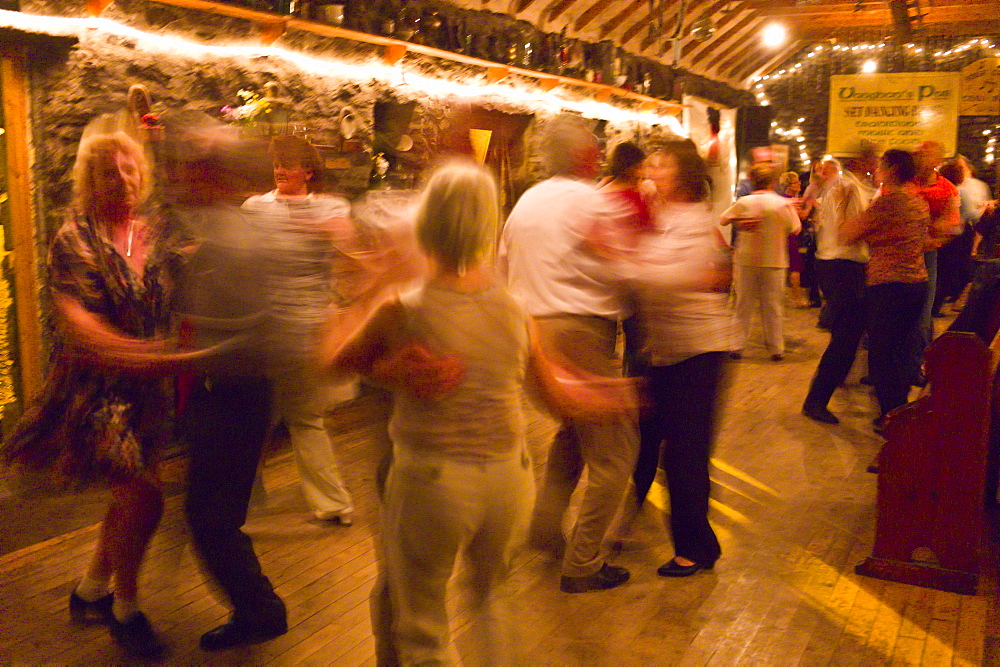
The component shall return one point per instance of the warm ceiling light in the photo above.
(869, 66)
(774, 35)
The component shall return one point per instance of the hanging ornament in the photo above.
(702, 29)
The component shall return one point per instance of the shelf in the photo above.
(273, 25)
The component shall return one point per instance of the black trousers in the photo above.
(843, 285)
(225, 424)
(893, 315)
(682, 419)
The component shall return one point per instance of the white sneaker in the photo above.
(341, 517)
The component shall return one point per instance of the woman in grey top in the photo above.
(315, 247)
(460, 478)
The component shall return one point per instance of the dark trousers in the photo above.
(843, 284)
(894, 311)
(682, 418)
(225, 424)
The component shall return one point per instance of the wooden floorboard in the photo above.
(792, 504)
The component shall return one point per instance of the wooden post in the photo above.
(15, 112)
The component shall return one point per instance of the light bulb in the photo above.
(774, 35)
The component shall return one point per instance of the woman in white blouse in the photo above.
(675, 278)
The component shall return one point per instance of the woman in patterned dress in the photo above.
(102, 412)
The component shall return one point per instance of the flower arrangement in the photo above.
(250, 109)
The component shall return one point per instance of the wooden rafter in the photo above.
(747, 73)
(558, 8)
(719, 48)
(747, 49)
(956, 29)
(592, 12)
(522, 5)
(732, 22)
(615, 21)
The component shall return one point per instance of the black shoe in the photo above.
(673, 569)
(98, 611)
(607, 577)
(820, 414)
(239, 633)
(136, 636)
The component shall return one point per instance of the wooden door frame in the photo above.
(14, 82)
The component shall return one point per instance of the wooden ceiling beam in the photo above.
(748, 49)
(558, 8)
(954, 29)
(746, 72)
(695, 51)
(723, 22)
(985, 12)
(522, 5)
(643, 24)
(720, 19)
(880, 11)
(719, 48)
(616, 21)
(590, 14)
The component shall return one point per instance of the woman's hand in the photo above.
(415, 369)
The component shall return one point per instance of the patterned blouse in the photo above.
(89, 424)
(896, 226)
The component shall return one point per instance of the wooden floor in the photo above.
(792, 503)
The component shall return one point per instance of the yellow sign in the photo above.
(893, 110)
(981, 88)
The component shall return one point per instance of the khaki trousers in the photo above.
(436, 507)
(608, 450)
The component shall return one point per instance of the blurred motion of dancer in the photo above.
(461, 479)
(101, 413)
(313, 241)
(224, 300)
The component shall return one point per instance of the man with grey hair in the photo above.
(840, 269)
(572, 296)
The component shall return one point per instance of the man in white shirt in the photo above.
(760, 262)
(573, 297)
(840, 269)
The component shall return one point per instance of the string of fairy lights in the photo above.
(865, 58)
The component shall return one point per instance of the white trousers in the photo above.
(763, 287)
(436, 507)
(301, 400)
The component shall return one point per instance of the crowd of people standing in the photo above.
(257, 306)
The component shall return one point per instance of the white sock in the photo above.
(124, 609)
(91, 589)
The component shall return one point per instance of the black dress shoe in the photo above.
(98, 611)
(136, 636)
(240, 633)
(607, 577)
(820, 414)
(673, 569)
